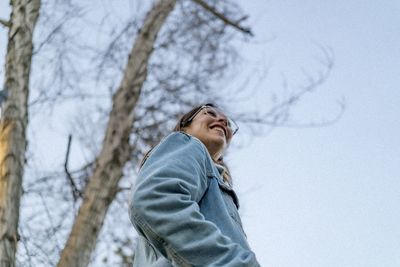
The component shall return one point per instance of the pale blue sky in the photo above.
(323, 197)
(328, 197)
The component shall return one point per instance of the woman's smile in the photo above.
(220, 128)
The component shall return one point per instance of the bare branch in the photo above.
(102, 187)
(124, 189)
(191, 55)
(235, 24)
(5, 23)
(278, 115)
(76, 193)
(277, 120)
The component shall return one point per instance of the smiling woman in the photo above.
(212, 128)
(183, 206)
(202, 122)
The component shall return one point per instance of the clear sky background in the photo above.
(323, 197)
(328, 197)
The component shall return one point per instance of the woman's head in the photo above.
(206, 122)
(211, 126)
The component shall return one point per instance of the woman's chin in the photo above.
(219, 142)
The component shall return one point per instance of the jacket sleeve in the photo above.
(164, 207)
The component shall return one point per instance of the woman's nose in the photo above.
(223, 119)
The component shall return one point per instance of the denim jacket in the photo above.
(184, 213)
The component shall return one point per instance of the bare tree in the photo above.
(102, 186)
(14, 121)
(132, 95)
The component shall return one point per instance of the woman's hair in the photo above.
(180, 126)
(183, 121)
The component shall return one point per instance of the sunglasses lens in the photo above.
(233, 126)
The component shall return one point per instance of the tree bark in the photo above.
(103, 184)
(14, 121)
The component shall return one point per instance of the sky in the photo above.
(326, 196)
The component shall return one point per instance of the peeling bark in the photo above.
(103, 184)
(13, 123)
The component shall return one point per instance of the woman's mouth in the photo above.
(219, 129)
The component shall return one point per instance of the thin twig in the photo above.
(76, 193)
(120, 189)
(226, 20)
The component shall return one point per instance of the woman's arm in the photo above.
(164, 207)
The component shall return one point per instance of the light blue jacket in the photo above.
(184, 213)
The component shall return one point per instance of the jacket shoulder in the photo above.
(180, 146)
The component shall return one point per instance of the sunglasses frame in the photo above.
(230, 121)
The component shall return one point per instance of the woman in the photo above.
(183, 206)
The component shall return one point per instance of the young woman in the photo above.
(183, 206)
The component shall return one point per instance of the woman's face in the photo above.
(210, 126)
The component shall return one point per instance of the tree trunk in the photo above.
(13, 123)
(103, 184)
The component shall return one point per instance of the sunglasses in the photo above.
(213, 112)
